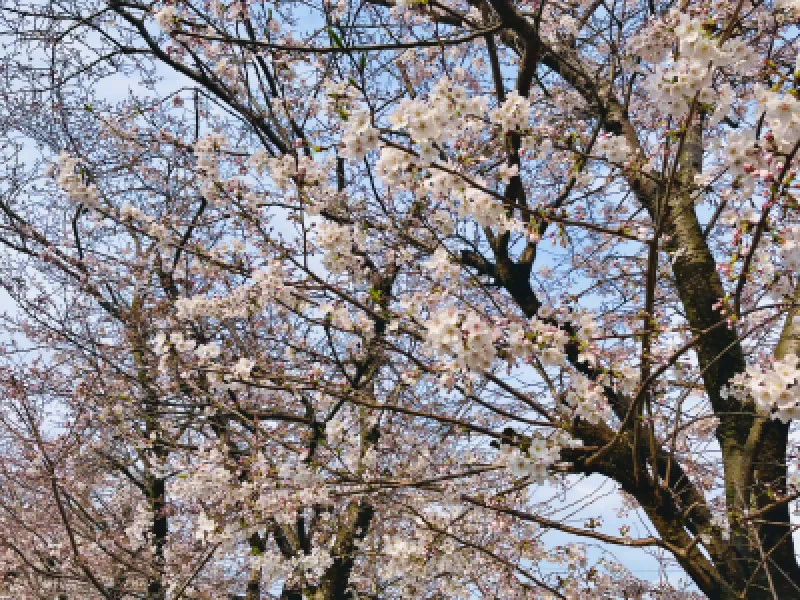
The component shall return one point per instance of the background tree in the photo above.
(320, 309)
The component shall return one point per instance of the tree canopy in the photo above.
(352, 300)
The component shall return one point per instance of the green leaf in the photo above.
(335, 39)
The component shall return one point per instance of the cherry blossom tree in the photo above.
(347, 300)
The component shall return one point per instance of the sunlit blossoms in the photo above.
(587, 400)
(467, 336)
(775, 390)
(166, 17)
(687, 75)
(513, 114)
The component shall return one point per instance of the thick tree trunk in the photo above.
(155, 587)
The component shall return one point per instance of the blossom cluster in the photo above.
(394, 166)
(742, 153)
(790, 248)
(774, 390)
(587, 399)
(782, 114)
(312, 565)
(360, 136)
(792, 6)
(413, 560)
(439, 265)
(485, 209)
(472, 339)
(754, 159)
(537, 338)
(445, 116)
(166, 18)
(688, 74)
(72, 181)
(267, 284)
(513, 114)
(447, 113)
(651, 43)
(471, 198)
(463, 334)
(534, 458)
(614, 147)
(339, 244)
(207, 149)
